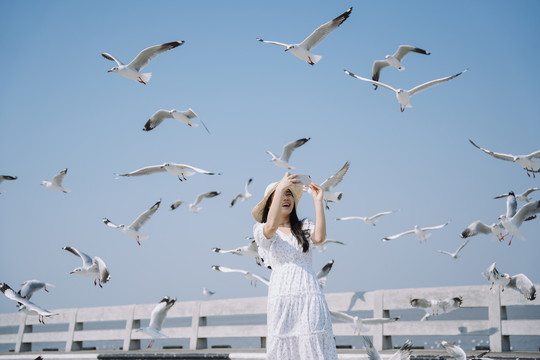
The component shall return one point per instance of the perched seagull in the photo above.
(493, 276)
(454, 255)
(56, 183)
(368, 220)
(25, 304)
(404, 353)
(207, 292)
(6, 177)
(182, 170)
(251, 250)
(331, 183)
(156, 319)
(525, 161)
(182, 116)
(283, 160)
(357, 324)
(434, 307)
(394, 60)
(132, 70)
(322, 275)
(207, 195)
(91, 268)
(524, 196)
(133, 229)
(303, 50)
(524, 285)
(455, 351)
(250, 276)
(478, 226)
(322, 246)
(246, 195)
(526, 212)
(29, 287)
(403, 96)
(421, 233)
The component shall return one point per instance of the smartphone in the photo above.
(304, 179)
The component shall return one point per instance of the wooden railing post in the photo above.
(131, 323)
(73, 326)
(496, 314)
(380, 341)
(23, 328)
(195, 342)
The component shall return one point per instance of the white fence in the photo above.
(380, 303)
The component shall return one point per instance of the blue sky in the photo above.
(61, 109)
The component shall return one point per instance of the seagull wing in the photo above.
(381, 214)
(378, 65)
(158, 315)
(112, 58)
(273, 42)
(323, 273)
(431, 83)
(227, 269)
(451, 303)
(461, 246)
(289, 148)
(176, 204)
(156, 119)
(405, 49)
(342, 316)
(7, 177)
(372, 353)
(421, 303)
(404, 353)
(104, 275)
(352, 218)
(528, 191)
(524, 285)
(148, 54)
(59, 178)
(141, 219)
(507, 157)
(371, 81)
(500, 196)
(455, 351)
(30, 287)
(109, 223)
(87, 261)
(435, 227)
(189, 113)
(475, 228)
(445, 252)
(206, 195)
(146, 171)
(535, 154)
(252, 276)
(238, 196)
(376, 321)
(511, 206)
(527, 210)
(335, 179)
(398, 235)
(198, 170)
(324, 30)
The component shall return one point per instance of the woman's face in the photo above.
(287, 204)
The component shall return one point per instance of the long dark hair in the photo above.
(296, 225)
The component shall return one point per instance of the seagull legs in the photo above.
(141, 81)
(150, 345)
(95, 282)
(182, 176)
(491, 287)
(401, 108)
(310, 62)
(510, 243)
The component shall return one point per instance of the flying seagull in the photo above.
(322, 246)
(493, 276)
(454, 350)
(250, 276)
(246, 195)
(454, 255)
(394, 60)
(29, 287)
(322, 275)
(404, 353)
(132, 70)
(368, 220)
(133, 229)
(156, 319)
(283, 160)
(331, 183)
(525, 161)
(524, 196)
(303, 50)
(180, 170)
(193, 207)
(522, 284)
(250, 250)
(358, 324)
(478, 227)
(207, 292)
(56, 183)
(526, 212)
(404, 96)
(434, 307)
(91, 268)
(25, 304)
(421, 233)
(185, 117)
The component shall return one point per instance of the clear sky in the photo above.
(62, 109)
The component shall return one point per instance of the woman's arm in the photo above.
(273, 219)
(319, 234)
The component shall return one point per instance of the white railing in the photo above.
(378, 302)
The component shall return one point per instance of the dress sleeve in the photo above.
(260, 239)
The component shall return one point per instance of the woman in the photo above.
(298, 320)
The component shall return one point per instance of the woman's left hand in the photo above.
(316, 191)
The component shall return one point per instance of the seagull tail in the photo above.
(146, 77)
(315, 58)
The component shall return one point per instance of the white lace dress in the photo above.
(298, 320)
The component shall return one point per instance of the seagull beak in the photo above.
(109, 70)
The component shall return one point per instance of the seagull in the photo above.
(250, 276)
(207, 292)
(29, 287)
(496, 229)
(156, 319)
(331, 183)
(246, 195)
(283, 160)
(403, 353)
(133, 229)
(132, 70)
(419, 232)
(394, 60)
(526, 212)
(207, 195)
(455, 351)
(525, 161)
(368, 220)
(434, 307)
(357, 324)
(493, 276)
(303, 50)
(524, 285)
(92, 268)
(454, 255)
(6, 177)
(251, 250)
(25, 304)
(182, 116)
(524, 196)
(56, 183)
(175, 169)
(403, 96)
(322, 275)
(322, 246)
